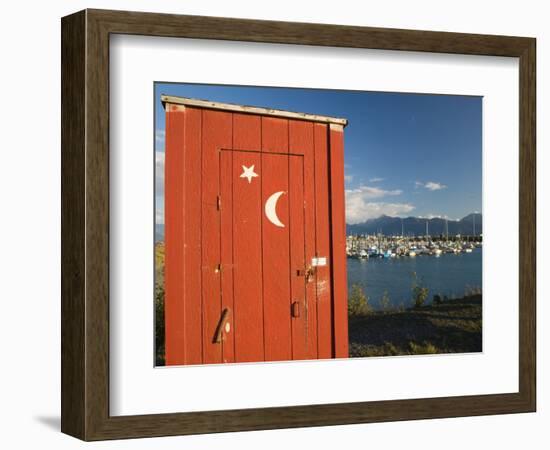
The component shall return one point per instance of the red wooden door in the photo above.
(265, 271)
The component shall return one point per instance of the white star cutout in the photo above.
(248, 172)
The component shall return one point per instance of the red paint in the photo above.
(301, 142)
(174, 308)
(247, 235)
(339, 279)
(192, 238)
(228, 255)
(276, 258)
(247, 259)
(275, 241)
(226, 251)
(300, 321)
(216, 134)
(322, 233)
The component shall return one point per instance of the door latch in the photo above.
(308, 273)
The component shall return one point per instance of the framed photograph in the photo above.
(273, 225)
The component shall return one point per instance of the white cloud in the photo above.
(376, 180)
(159, 173)
(348, 178)
(430, 185)
(159, 187)
(370, 192)
(160, 135)
(434, 186)
(357, 212)
(360, 208)
(159, 216)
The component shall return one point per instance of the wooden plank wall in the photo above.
(322, 234)
(338, 223)
(249, 337)
(300, 135)
(196, 172)
(275, 242)
(174, 305)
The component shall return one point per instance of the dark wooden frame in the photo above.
(85, 224)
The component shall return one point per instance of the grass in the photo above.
(451, 326)
(159, 304)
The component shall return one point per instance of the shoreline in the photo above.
(452, 326)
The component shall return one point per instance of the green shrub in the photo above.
(159, 325)
(419, 292)
(358, 302)
(385, 301)
(426, 348)
(159, 305)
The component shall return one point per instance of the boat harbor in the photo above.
(381, 246)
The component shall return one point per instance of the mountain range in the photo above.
(391, 226)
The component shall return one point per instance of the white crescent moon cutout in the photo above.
(270, 209)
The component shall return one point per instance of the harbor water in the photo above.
(449, 274)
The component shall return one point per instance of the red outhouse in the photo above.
(255, 262)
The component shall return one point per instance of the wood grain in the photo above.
(247, 259)
(216, 133)
(73, 225)
(243, 109)
(85, 224)
(175, 219)
(323, 282)
(296, 231)
(275, 241)
(301, 140)
(192, 236)
(249, 337)
(226, 251)
(338, 256)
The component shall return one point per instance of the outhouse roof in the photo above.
(251, 109)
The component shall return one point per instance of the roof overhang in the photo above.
(185, 101)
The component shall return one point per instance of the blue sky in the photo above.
(405, 154)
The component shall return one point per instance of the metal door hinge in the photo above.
(295, 309)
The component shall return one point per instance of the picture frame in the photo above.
(85, 224)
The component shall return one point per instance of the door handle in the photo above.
(223, 324)
(295, 309)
